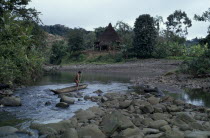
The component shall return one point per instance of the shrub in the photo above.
(198, 66)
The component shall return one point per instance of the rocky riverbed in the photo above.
(130, 115)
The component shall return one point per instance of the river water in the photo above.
(34, 97)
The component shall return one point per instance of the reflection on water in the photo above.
(100, 77)
(193, 96)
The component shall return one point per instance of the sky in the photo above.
(90, 14)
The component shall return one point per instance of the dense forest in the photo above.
(23, 48)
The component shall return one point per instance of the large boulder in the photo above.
(158, 124)
(67, 99)
(84, 115)
(115, 121)
(11, 101)
(91, 131)
(7, 130)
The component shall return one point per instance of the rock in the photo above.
(150, 131)
(112, 96)
(95, 98)
(185, 117)
(196, 125)
(62, 105)
(174, 134)
(138, 121)
(179, 102)
(96, 110)
(98, 92)
(47, 103)
(130, 132)
(125, 104)
(12, 136)
(167, 99)
(87, 97)
(104, 99)
(147, 121)
(173, 108)
(157, 124)
(148, 109)
(198, 134)
(111, 122)
(53, 128)
(70, 133)
(6, 93)
(11, 101)
(112, 104)
(7, 130)
(67, 99)
(153, 100)
(84, 115)
(131, 109)
(154, 135)
(138, 102)
(92, 131)
(160, 116)
(165, 128)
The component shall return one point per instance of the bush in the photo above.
(199, 66)
(166, 49)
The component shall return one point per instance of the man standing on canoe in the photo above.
(77, 78)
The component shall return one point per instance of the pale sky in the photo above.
(90, 14)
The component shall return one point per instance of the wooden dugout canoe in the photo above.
(69, 89)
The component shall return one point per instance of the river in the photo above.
(34, 97)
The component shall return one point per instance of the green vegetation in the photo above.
(145, 36)
(20, 43)
(198, 66)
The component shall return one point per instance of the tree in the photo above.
(145, 36)
(58, 51)
(125, 31)
(89, 40)
(98, 31)
(76, 40)
(19, 9)
(158, 20)
(178, 23)
(205, 17)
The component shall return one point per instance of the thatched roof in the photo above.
(109, 35)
